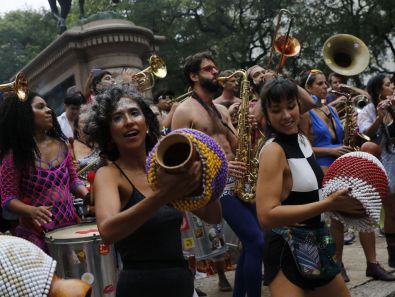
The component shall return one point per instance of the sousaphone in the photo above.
(345, 54)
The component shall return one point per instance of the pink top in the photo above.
(37, 187)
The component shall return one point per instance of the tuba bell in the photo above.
(145, 79)
(19, 86)
(345, 54)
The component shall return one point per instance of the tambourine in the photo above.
(177, 151)
(366, 176)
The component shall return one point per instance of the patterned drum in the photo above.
(203, 240)
(81, 254)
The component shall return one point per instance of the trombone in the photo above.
(286, 45)
(19, 86)
(145, 79)
(183, 97)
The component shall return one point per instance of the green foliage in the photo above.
(23, 35)
(238, 32)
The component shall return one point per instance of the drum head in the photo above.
(80, 232)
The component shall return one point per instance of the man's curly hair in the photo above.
(97, 127)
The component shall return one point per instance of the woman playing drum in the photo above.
(37, 171)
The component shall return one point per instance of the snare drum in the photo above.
(80, 253)
(203, 240)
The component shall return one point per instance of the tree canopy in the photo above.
(238, 32)
(23, 35)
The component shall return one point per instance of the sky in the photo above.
(9, 5)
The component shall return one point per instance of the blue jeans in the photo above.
(242, 218)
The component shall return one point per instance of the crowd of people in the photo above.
(109, 129)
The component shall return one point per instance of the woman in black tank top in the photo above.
(139, 220)
(288, 187)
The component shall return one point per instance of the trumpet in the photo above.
(145, 79)
(19, 86)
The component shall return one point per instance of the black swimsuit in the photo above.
(153, 263)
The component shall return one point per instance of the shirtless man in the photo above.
(229, 88)
(200, 113)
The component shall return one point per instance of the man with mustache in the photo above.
(200, 113)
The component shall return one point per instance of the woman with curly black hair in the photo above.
(145, 229)
(37, 171)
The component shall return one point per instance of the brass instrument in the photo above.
(358, 102)
(182, 97)
(352, 137)
(345, 54)
(246, 186)
(145, 79)
(286, 45)
(19, 86)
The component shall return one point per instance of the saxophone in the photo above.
(247, 153)
(352, 137)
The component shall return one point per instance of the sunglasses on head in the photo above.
(310, 74)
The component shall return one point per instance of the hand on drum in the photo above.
(180, 184)
(346, 205)
(41, 215)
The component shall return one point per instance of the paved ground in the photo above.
(354, 261)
